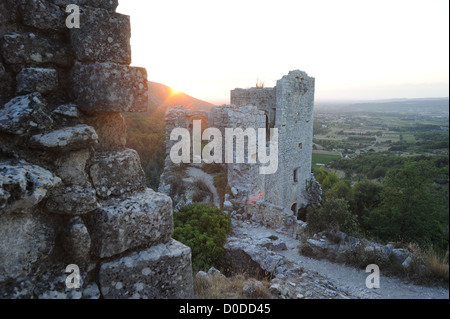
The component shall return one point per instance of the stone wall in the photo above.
(70, 190)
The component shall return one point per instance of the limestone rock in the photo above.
(111, 129)
(24, 240)
(8, 11)
(76, 240)
(51, 283)
(31, 49)
(313, 191)
(160, 272)
(121, 224)
(105, 4)
(109, 87)
(24, 113)
(37, 80)
(67, 110)
(117, 173)
(43, 15)
(67, 139)
(400, 255)
(74, 200)
(72, 168)
(5, 85)
(104, 36)
(227, 206)
(408, 262)
(3, 75)
(23, 185)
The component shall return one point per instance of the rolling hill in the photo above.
(162, 96)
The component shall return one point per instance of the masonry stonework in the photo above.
(70, 190)
(274, 200)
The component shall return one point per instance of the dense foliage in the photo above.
(409, 205)
(204, 229)
(146, 135)
(376, 165)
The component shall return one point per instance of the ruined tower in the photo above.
(277, 199)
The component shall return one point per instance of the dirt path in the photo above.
(348, 278)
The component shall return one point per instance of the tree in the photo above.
(410, 209)
(332, 214)
(366, 197)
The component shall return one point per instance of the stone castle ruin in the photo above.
(71, 193)
(279, 199)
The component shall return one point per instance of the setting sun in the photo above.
(174, 92)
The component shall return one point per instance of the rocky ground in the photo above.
(297, 276)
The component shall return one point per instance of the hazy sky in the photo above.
(356, 49)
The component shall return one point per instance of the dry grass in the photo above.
(438, 265)
(259, 84)
(201, 192)
(221, 287)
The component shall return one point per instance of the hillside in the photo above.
(163, 96)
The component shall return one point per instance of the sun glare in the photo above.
(174, 92)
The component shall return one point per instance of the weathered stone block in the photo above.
(31, 49)
(103, 36)
(66, 139)
(3, 74)
(24, 241)
(43, 15)
(24, 113)
(76, 240)
(67, 110)
(111, 129)
(117, 173)
(122, 224)
(74, 200)
(72, 168)
(5, 86)
(23, 185)
(109, 87)
(160, 272)
(105, 4)
(8, 11)
(37, 80)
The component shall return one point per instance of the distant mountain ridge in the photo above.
(163, 96)
(417, 105)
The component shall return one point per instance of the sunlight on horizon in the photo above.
(355, 49)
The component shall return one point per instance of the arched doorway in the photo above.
(294, 208)
(301, 215)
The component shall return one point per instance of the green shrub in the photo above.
(204, 229)
(332, 214)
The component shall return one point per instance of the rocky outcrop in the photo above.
(71, 193)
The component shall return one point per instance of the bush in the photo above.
(332, 214)
(204, 229)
